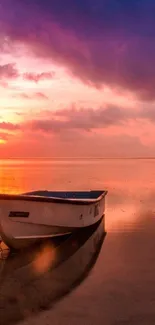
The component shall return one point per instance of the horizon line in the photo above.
(78, 157)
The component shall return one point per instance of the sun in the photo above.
(2, 141)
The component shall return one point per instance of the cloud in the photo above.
(22, 95)
(36, 95)
(77, 145)
(106, 42)
(79, 119)
(83, 132)
(4, 136)
(40, 95)
(9, 126)
(81, 123)
(72, 119)
(36, 77)
(148, 113)
(4, 84)
(8, 71)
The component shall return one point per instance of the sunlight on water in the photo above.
(4, 251)
(44, 259)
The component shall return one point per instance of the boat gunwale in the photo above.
(38, 198)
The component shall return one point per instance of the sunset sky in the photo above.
(77, 78)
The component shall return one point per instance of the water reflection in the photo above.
(127, 286)
(33, 280)
(131, 178)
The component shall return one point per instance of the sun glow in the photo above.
(2, 141)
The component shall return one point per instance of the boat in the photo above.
(29, 217)
(36, 280)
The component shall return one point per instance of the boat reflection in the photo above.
(31, 281)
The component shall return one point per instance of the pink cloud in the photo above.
(22, 95)
(40, 95)
(4, 84)
(36, 95)
(80, 132)
(86, 127)
(83, 120)
(80, 119)
(36, 77)
(9, 126)
(71, 120)
(8, 71)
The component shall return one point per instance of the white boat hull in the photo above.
(24, 221)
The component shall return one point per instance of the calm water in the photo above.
(120, 285)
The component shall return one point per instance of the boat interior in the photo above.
(68, 195)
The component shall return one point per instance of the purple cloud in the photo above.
(106, 42)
